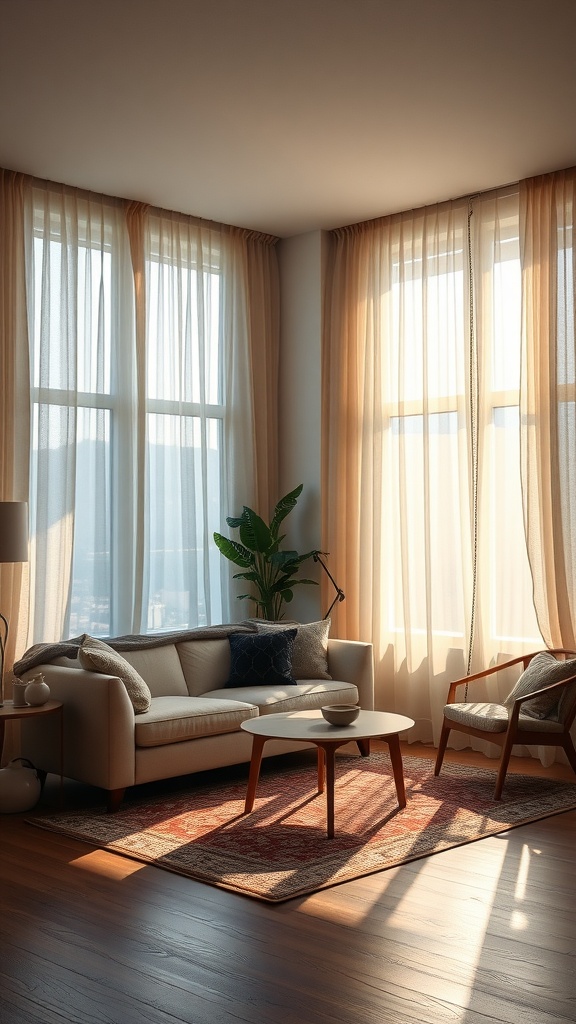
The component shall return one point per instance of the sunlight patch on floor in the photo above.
(108, 865)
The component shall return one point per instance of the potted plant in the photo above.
(272, 571)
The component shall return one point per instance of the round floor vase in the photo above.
(19, 786)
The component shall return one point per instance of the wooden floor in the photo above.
(483, 933)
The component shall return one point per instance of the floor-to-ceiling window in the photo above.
(425, 506)
(145, 354)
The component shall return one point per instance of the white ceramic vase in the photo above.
(19, 786)
(19, 693)
(37, 692)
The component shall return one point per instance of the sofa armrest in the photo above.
(352, 661)
(99, 746)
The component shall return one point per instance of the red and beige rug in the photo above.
(281, 850)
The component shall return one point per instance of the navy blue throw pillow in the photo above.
(262, 659)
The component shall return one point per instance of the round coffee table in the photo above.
(311, 727)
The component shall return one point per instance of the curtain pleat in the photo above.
(548, 398)
(15, 404)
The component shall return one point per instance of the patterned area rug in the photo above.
(281, 850)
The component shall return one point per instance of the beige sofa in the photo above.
(193, 722)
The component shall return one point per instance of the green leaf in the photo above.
(254, 533)
(234, 521)
(283, 508)
(233, 551)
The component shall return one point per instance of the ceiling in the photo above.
(287, 116)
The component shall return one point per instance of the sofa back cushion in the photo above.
(161, 668)
(205, 664)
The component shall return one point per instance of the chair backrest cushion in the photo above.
(543, 670)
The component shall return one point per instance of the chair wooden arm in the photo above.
(485, 672)
(525, 659)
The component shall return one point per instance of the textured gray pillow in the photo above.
(310, 650)
(97, 656)
(543, 670)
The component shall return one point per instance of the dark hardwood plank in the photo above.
(480, 933)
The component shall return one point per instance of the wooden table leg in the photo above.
(329, 750)
(255, 762)
(397, 767)
(330, 754)
(321, 762)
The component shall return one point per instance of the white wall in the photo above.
(301, 260)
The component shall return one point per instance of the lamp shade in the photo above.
(13, 531)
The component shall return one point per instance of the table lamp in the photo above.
(13, 548)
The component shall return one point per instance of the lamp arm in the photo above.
(340, 595)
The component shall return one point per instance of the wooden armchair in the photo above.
(539, 710)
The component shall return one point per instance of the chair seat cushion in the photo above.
(488, 717)
(175, 719)
(494, 718)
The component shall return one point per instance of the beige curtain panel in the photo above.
(548, 398)
(15, 404)
(433, 320)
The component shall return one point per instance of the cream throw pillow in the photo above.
(310, 649)
(97, 656)
(543, 670)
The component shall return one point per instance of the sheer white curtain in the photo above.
(422, 503)
(83, 377)
(143, 340)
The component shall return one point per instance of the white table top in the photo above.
(310, 725)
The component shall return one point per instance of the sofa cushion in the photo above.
(161, 668)
(543, 670)
(175, 719)
(262, 659)
(310, 695)
(205, 664)
(310, 650)
(99, 657)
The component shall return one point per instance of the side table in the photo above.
(8, 713)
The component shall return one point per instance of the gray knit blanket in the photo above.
(39, 654)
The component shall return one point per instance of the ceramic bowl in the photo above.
(341, 714)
